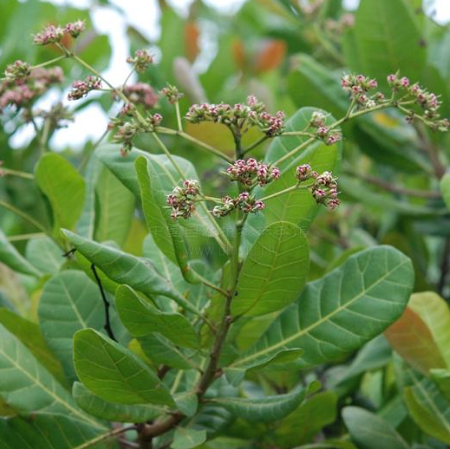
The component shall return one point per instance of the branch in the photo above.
(106, 303)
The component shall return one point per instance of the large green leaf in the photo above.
(369, 431)
(69, 302)
(102, 409)
(114, 373)
(388, 39)
(304, 423)
(64, 188)
(45, 255)
(29, 388)
(166, 233)
(141, 319)
(31, 336)
(266, 409)
(160, 350)
(51, 432)
(13, 259)
(164, 177)
(428, 407)
(188, 438)
(274, 271)
(340, 312)
(127, 269)
(115, 206)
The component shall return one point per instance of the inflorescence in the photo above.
(239, 116)
(52, 34)
(250, 172)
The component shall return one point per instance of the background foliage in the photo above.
(392, 391)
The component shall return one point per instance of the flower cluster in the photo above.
(17, 71)
(81, 88)
(305, 172)
(250, 172)
(142, 59)
(428, 101)
(324, 190)
(141, 93)
(323, 132)
(253, 114)
(127, 130)
(171, 93)
(358, 87)
(24, 91)
(52, 34)
(182, 199)
(244, 201)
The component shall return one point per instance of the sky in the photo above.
(144, 15)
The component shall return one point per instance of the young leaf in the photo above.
(64, 188)
(127, 269)
(13, 259)
(102, 409)
(141, 319)
(337, 314)
(369, 431)
(28, 387)
(413, 340)
(188, 438)
(274, 271)
(69, 302)
(114, 373)
(266, 409)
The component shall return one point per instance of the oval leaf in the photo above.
(274, 271)
(114, 373)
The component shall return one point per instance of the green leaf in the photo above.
(45, 255)
(115, 206)
(141, 319)
(274, 271)
(166, 233)
(51, 432)
(164, 178)
(114, 373)
(31, 336)
(266, 409)
(29, 388)
(86, 223)
(125, 268)
(369, 431)
(441, 378)
(187, 402)
(428, 408)
(69, 302)
(102, 409)
(14, 260)
(64, 188)
(188, 438)
(297, 206)
(304, 423)
(388, 39)
(340, 312)
(162, 351)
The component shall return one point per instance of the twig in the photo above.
(394, 188)
(106, 303)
